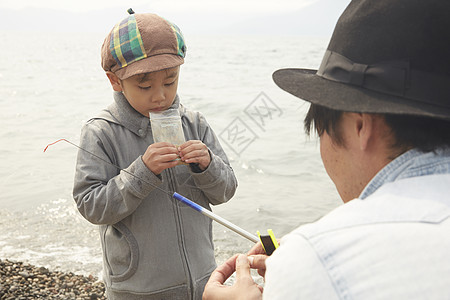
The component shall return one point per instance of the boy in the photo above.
(153, 247)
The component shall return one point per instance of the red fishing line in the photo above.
(56, 142)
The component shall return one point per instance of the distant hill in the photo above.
(317, 19)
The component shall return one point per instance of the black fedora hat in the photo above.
(385, 56)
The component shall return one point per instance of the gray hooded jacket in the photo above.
(153, 246)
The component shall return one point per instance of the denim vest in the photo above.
(391, 243)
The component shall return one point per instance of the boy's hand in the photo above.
(195, 151)
(160, 156)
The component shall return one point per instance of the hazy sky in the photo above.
(237, 6)
(315, 17)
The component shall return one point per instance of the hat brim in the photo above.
(305, 84)
(150, 64)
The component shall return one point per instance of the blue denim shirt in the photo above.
(391, 243)
(410, 164)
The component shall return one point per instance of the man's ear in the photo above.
(115, 81)
(367, 127)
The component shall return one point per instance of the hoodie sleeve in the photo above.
(105, 194)
(217, 181)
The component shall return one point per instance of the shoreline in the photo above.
(20, 280)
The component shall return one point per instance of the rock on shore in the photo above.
(23, 281)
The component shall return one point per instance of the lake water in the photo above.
(50, 84)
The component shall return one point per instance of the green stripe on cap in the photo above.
(181, 46)
(126, 44)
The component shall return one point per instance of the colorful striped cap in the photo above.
(142, 43)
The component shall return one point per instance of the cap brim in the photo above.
(305, 84)
(150, 64)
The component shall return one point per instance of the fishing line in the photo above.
(110, 163)
(183, 199)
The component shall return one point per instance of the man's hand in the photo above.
(243, 288)
(257, 257)
(160, 156)
(196, 152)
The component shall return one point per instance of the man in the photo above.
(380, 103)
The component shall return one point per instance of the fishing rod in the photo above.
(268, 242)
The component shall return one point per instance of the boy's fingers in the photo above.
(191, 145)
(165, 150)
(196, 154)
(170, 160)
(162, 145)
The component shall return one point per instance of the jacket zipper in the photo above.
(180, 231)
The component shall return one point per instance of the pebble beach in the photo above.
(24, 281)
